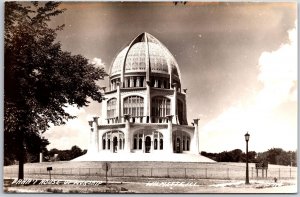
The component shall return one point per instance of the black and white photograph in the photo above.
(150, 97)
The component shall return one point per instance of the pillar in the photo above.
(96, 133)
(168, 139)
(196, 137)
(92, 140)
(125, 82)
(126, 133)
(152, 142)
(138, 82)
(174, 103)
(143, 143)
(118, 103)
(147, 103)
(41, 157)
(131, 82)
(106, 141)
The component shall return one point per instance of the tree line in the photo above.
(33, 154)
(276, 156)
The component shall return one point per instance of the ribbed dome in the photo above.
(145, 49)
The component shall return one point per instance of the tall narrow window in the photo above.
(111, 108)
(140, 143)
(160, 108)
(134, 106)
(161, 144)
(135, 143)
(103, 144)
(180, 111)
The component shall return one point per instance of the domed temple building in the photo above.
(144, 111)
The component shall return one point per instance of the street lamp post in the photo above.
(247, 136)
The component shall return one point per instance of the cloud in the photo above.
(98, 62)
(266, 116)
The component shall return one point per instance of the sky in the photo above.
(237, 60)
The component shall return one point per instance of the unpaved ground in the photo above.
(167, 186)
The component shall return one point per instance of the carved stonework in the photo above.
(111, 126)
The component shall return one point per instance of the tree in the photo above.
(40, 79)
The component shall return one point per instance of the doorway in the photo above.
(148, 144)
(115, 144)
(178, 145)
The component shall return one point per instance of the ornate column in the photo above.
(152, 142)
(174, 103)
(158, 142)
(126, 133)
(106, 141)
(138, 81)
(196, 137)
(147, 103)
(131, 82)
(143, 143)
(168, 139)
(118, 104)
(96, 133)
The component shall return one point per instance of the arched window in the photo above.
(134, 106)
(115, 137)
(180, 111)
(160, 108)
(140, 143)
(161, 144)
(135, 143)
(181, 141)
(111, 108)
(103, 144)
(120, 143)
(155, 144)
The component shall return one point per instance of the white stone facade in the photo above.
(144, 111)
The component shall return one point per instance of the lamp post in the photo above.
(247, 136)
